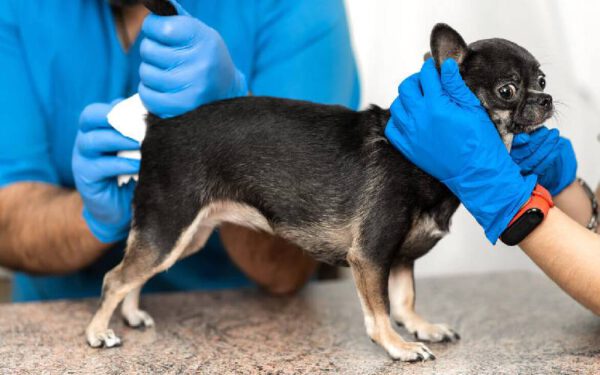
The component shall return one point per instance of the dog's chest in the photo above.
(423, 235)
(426, 230)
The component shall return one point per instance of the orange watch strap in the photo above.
(540, 199)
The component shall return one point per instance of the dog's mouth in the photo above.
(525, 126)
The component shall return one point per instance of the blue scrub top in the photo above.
(55, 59)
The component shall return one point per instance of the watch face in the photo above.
(521, 228)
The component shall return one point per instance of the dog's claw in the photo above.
(106, 339)
(138, 319)
(436, 333)
(411, 352)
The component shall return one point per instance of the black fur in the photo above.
(299, 163)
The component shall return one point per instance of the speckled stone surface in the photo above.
(512, 323)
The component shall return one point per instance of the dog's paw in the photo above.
(138, 319)
(106, 339)
(434, 333)
(409, 352)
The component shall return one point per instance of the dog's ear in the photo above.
(447, 43)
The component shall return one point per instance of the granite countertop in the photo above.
(510, 323)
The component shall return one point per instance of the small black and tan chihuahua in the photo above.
(323, 177)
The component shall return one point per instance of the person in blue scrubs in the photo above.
(63, 220)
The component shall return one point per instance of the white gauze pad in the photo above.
(128, 117)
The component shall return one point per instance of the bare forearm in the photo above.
(273, 263)
(574, 202)
(42, 230)
(570, 255)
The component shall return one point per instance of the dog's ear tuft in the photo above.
(447, 43)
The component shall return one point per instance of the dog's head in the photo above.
(505, 77)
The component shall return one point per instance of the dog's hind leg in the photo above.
(402, 297)
(142, 261)
(131, 312)
(371, 278)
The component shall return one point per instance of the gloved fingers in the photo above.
(103, 141)
(519, 140)
(543, 137)
(175, 31)
(525, 144)
(455, 86)
(166, 80)
(109, 167)
(162, 56)
(411, 94)
(94, 116)
(165, 104)
(400, 119)
(535, 138)
(549, 153)
(115, 102)
(430, 81)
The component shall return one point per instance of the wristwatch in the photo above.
(529, 216)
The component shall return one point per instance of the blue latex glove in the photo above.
(440, 125)
(548, 155)
(106, 207)
(185, 64)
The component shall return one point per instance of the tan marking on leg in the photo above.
(139, 264)
(371, 286)
(402, 303)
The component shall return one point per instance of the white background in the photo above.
(391, 36)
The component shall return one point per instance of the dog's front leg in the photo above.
(402, 296)
(371, 283)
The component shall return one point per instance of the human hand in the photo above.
(185, 64)
(106, 207)
(548, 155)
(440, 125)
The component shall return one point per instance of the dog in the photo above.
(322, 177)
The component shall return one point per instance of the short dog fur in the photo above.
(323, 177)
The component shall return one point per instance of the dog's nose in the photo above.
(545, 101)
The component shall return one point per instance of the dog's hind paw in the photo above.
(435, 333)
(106, 339)
(138, 319)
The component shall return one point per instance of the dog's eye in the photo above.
(507, 92)
(542, 82)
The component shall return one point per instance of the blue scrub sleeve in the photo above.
(24, 150)
(304, 52)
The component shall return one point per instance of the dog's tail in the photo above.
(161, 7)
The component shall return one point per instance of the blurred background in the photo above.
(390, 38)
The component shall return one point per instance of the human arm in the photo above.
(46, 229)
(569, 254)
(42, 230)
(574, 202)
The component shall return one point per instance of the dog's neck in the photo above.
(502, 120)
